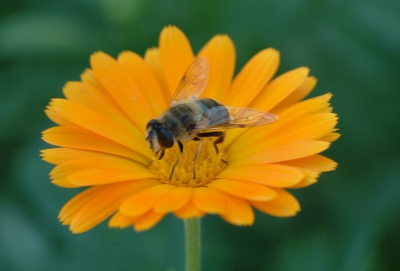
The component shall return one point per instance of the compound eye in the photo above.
(165, 139)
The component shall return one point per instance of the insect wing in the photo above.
(227, 117)
(193, 82)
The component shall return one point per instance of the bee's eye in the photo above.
(165, 139)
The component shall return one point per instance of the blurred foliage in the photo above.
(350, 219)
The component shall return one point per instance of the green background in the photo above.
(349, 219)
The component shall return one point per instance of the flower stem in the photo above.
(192, 245)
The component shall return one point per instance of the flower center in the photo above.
(207, 165)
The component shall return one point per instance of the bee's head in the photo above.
(158, 136)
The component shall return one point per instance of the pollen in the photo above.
(188, 171)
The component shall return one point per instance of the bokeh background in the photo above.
(349, 219)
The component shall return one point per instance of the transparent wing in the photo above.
(227, 117)
(193, 82)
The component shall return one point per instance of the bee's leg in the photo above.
(220, 138)
(195, 156)
(161, 154)
(177, 161)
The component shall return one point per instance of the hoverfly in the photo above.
(189, 117)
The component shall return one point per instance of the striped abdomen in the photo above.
(181, 119)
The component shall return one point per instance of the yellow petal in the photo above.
(65, 169)
(147, 221)
(315, 162)
(90, 78)
(153, 60)
(69, 210)
(245, 190)
(286, 152)
(61, 155)
(173, 200)
(279, 88)
(220, 53)
(145, 81)
(209, 200)
(330, 137)
(252, 78)
(144, 201)
(121, 221)
(56, 118)
(269, 174)
(176, 55)
(102, 125)
(80, 138)
(238, 212)
(283, 205)
(298, 94)
(310, 177)
(99, 176)
(189, 210)
(99, 101)
(97, 206)
(309, 127)
(243, 138)
(122, 88)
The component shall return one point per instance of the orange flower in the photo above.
(101, 132)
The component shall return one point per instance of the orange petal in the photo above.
(173, 200)
(209, 200)
(311, 127)
(71, 174)
(153, 60)
(279, 88)
(102, 125)
(60, 155)
(220, 53)
(238, 212)
(56, 118)
(147, 221)
(286, 152)
(90, 78)
(80, 138)
(99, 176)
(292, 114)
(121, 221)
(245, 190)
(122, 88)
(145, 81)
(330, 137)
(99, 101)
(144, 201)
(176, 55)
(252, 78)
(94, 207)
(189, 210)
(65, 169)
(269, 174)
(315, 162)
(69, 210)
(311, 177)
(298, 94)
(285, 204)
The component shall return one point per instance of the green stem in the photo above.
(192, 244)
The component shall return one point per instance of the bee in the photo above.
(189, 117)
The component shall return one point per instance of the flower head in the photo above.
(101, 134)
